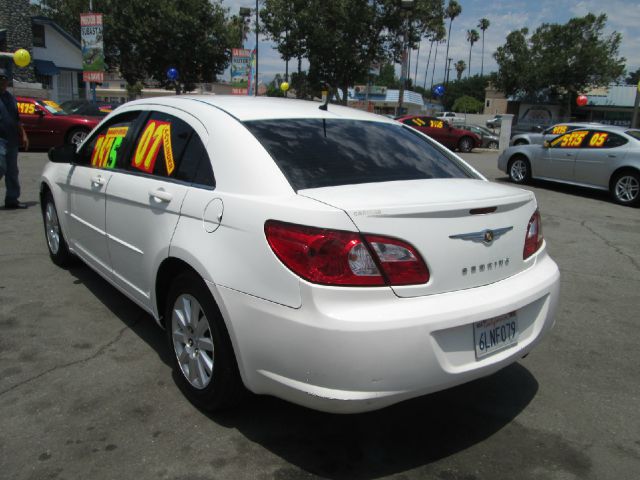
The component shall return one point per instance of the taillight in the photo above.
(333, 257)
(533, 240)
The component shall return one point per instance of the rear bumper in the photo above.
(369, 349)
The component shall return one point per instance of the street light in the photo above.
(406, 5)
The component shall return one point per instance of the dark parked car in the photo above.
(489, 139)
(48, 126)
(441, 131)
(87, 108)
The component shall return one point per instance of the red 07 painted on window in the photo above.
(155, 134)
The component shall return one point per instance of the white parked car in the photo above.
(336, 259)
(452, 117)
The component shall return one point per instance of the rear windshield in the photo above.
(634, 133)
(315, 153)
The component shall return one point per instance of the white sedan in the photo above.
(333, 258)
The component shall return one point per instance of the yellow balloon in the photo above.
(21, 57)
(284, 86)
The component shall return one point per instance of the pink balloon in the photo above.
(582, 100)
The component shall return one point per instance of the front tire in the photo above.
(56, 243)
(493, 145)
(77, 136)
(519, 170)
(202, 354)
(465, 145)
(625, 188)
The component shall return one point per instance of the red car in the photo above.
(440, 130)
(49, 126)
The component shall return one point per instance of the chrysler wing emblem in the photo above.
(484, 236)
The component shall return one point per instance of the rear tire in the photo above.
(519, 170)
(202, 355)
(465, 145)
(56, 243)
(625, 188)
(493, 145)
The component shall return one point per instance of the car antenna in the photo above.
(325, 105)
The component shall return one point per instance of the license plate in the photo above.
(495, 334)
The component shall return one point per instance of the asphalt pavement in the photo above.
(86, 391)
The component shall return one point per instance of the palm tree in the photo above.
(483, 24)
(453, 10)
(437, 36)
(460, 67)
(472, 37)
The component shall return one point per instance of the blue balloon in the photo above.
(172, 74)
(438, 90)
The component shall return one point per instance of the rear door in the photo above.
(598, 158)
(145, 198)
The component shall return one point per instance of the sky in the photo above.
(504, 15)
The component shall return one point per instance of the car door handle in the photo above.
(98, 180)
(612, 155)
(161, 195)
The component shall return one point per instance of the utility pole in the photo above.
(636, 105)
(448, 70)
(257, 25)
(404, 71)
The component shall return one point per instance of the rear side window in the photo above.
(314, 153)
(195, 166)
(160, 144)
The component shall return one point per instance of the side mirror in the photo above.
(39, 112)
(546, 144)
(63, 154)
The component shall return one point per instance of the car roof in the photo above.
(245, 108)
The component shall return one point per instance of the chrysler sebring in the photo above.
(333, 258)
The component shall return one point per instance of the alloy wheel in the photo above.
(78, 137)
(627, 188)
(52, 227)
(518, 171)
(192, 341)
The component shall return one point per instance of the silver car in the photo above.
(601, 157)
(538, 138)
(489, 139)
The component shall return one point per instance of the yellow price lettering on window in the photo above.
(26, 108)
(559, 130)
(105, 151)
(419, 122)
(155, 134)
(598, 139)
(436, 124)
(573, 139)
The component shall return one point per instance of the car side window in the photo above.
(160, 145)
(195, 166)
(605, 140)
(556, 130)
(415, 122)
(574, 139)
(106, 146)
(432, 122)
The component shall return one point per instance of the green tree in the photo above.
(471, 86)
(453, 10)
(142, 39)
(467, 104)
(342, 38)
(472, 37)
(460, 67)
(483, 24)
(561, 59)
(633, 78)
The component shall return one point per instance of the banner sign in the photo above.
(92, 47)
(240, 68)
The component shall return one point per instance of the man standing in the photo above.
(11, 131)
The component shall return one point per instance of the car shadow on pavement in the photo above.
(132, 316)
(408, 435)
(574, 190)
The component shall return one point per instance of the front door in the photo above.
(86, 188)
(558, 159)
